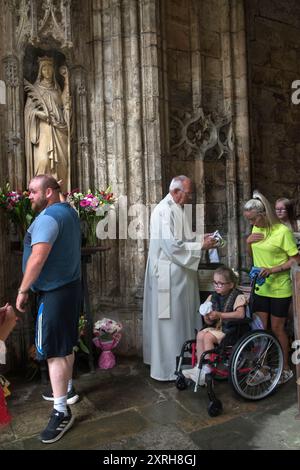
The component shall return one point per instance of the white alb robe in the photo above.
(171, 292)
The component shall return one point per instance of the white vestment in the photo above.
(171, 292)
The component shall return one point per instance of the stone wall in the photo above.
(273, 43)
(159, 89)
(206, 70)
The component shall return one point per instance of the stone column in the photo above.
(228, 78)
(3, 178)
(151, 100)
(14, 96)
(81, 138)
(196, 77)
(241, 118)
(134, 139)
(98, 115)
(14, 122)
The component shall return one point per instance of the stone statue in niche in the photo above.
(47, 124)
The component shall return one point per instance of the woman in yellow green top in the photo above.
(273, 250)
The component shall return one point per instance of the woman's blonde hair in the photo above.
(261, 205)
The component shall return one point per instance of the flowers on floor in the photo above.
(81, 334)
(107, 328)
(17, 207)
(92, 207)
(107, 336)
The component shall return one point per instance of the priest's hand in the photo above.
(209, 242)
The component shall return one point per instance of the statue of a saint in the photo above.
(47, 124)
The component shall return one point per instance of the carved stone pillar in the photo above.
(241, 121)
(152, 124)
(199, 177)
(98, 115)
(81, 144)
(14, 124)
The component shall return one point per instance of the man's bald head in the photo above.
(45, 182)
(44, 190)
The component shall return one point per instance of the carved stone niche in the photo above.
(53, 102)
(30, 62)
(37, 21)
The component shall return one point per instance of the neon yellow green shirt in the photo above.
(274, 250)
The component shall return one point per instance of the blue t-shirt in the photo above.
(58, 225)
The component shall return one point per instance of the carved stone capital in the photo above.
(10, 4)
(11, 143)
(11, 74)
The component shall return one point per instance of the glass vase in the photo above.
(91, 237)
(88, 228)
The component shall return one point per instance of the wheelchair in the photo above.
(239, 358)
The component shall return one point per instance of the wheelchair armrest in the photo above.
(238, 321)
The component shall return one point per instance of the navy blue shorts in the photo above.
(273, 306)
(57, 321)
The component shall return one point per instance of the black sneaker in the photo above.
(57, 426)
(72, 396)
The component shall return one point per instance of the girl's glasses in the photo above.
(220, 284)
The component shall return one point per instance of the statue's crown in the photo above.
(49, 60)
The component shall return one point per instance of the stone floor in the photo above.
(123, 409)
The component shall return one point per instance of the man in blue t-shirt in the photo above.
(51, 267)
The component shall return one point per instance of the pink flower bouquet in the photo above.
(91, 207)
(107, 336)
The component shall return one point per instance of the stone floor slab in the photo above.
(125, 409)
(158, 437)
(118, 394)
(90, 435)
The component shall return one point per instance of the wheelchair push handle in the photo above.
(256, 280)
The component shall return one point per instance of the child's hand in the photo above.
(214, 315)
(207, 319)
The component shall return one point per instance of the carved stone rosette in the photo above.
(197, 133)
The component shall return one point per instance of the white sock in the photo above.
(60, 404)
(70, 385)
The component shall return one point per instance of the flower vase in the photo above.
(107, 358)
(91, 232)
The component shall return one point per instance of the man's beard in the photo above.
(40, 205)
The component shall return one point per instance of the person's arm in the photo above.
(253, 238)
(265, 272)
(237, 314)
(8, 321)
(34, 266)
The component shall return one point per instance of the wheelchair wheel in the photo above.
(215, 408)
(181, 382)
(255, 365)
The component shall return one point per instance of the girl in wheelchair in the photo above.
(226, 303)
